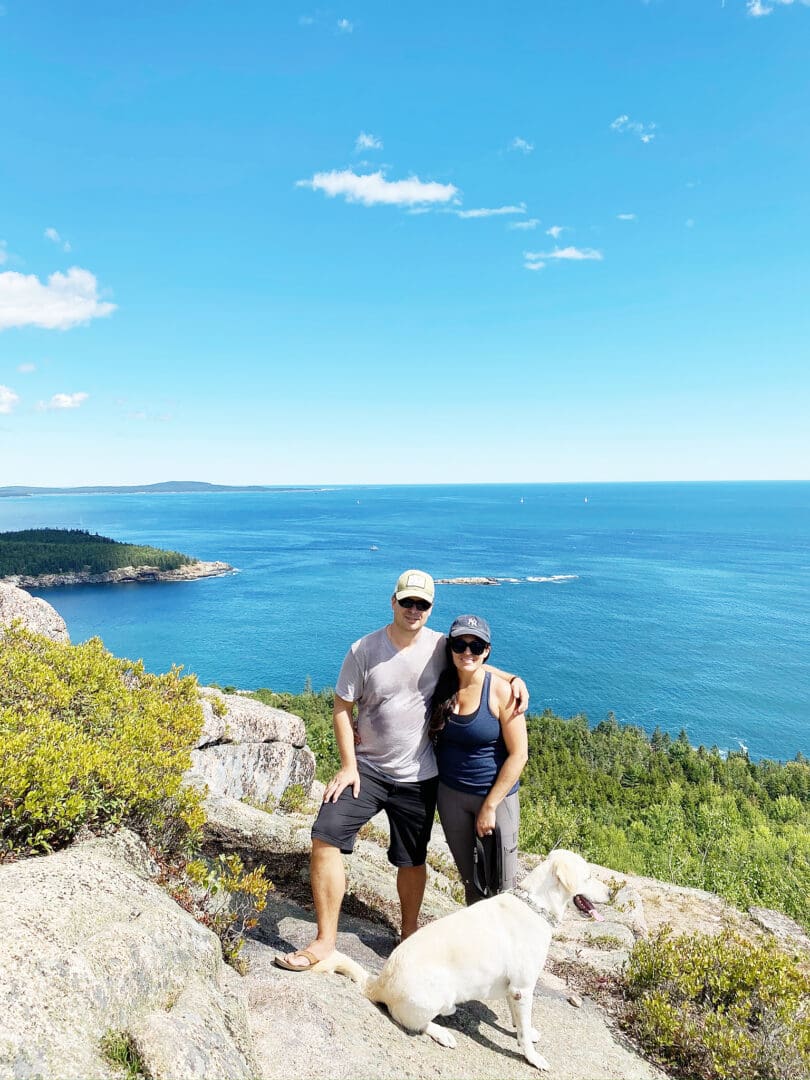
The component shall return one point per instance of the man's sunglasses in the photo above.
(476, 646)
(412, 602)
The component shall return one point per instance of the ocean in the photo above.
(678, 605)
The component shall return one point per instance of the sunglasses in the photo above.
(412, 602)
(476, 647)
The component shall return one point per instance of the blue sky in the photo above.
(274, 243)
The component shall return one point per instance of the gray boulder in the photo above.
(250, 751)
(34, 613)
(91, 947)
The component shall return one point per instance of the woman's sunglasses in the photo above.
(410, 602)
(476, 646)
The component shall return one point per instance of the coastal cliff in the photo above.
(121, 575)
(102, 967)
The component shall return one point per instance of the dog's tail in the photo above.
(341, 964)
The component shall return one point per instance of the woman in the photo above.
(481, 749)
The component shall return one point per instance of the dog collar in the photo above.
(530, 901)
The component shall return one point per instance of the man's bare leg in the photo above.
(328, 880)
(411, 881)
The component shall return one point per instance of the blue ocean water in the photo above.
(679, 605)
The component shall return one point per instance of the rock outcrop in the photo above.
(92, 949)
(33, 612)
(121, 575)
(250, 751)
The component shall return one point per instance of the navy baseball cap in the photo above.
(472, 625)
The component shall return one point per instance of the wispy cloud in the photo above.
(624, 125)
(568, 253)
(757, 8)
(27, 368)
(523, 145)
(533, 264)
(306, 20)
(345, 26)
(495, 211)
(65, 300)
(364, 141)
(64, 401)
(8, 399)
(55, 238)
(372, 189)
(554, 231)
(626, 217)
(3, 252)
(531, 223)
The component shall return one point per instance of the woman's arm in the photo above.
(513, 729)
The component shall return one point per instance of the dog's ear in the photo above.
(570, 869)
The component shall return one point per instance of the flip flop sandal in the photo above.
(284, 962)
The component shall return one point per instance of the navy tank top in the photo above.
(470, 748)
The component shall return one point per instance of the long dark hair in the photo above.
(445, 696)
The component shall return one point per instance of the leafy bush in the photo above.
(88, 739)
(720, 1008)
(232, 898)
(59, 551)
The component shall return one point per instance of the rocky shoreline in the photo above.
(121, 575)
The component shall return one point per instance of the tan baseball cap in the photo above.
(415, 583)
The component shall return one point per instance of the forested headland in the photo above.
(647, 804)
(32, 552)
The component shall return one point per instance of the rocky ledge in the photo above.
(124, 574)
(468, 581)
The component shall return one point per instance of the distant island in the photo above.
(168, 487)
(44, 558)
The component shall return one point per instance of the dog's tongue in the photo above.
(587, 908)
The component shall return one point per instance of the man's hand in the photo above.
(521, 692)
(340, 781)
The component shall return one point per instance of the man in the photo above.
(387, 760)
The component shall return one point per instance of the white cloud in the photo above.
(757, 8)
(66, 300)
(626, 217)
(531, 223)
(367, 142)
(26, 369)
(555, 231)
(372, 189)
(344, 26)
(623, 124)
(572, 253)
(496, 211)
(533, 264)
(521, 144)
(8, 399)
(55, 238)
(64, 401)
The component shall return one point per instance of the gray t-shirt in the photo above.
(393, 688)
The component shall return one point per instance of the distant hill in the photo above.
(171, 487)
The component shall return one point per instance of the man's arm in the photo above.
(519, 687)
(343, 722)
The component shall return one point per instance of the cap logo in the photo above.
(416, 580)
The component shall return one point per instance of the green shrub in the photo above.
(720, 1008)
(294, 800)
(88, 739)
(230, 901)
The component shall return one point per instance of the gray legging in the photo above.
(457, 812)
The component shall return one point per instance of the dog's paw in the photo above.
(538, 1061)
(441, 1035)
